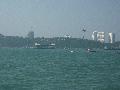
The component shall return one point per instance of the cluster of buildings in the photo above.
(101, 36)
(96, 36)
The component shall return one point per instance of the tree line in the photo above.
(61, 42)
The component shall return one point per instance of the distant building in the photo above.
(101, 37)
(111, 37)
(94, 35)
(31, 35)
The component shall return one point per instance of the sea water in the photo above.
(59, 69)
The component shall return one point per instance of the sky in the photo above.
(56, 18)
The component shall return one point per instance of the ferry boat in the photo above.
(44, 46)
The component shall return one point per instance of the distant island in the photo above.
(60, 42)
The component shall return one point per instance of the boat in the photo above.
(91, 50)
(44, 46)
(111, 48)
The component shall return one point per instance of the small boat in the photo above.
(111, 48)
(90, 50)
(71, 51)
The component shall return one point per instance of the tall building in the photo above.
(31, 35)
(111, 37)
(94, 35)
(101, 37)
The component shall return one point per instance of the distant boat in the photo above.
(111, 48)
(91, 50)
(71, 51)
(44, 46)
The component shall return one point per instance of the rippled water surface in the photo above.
(59, 69)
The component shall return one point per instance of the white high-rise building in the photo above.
(111, 37)
(101, 37)
(94, 35)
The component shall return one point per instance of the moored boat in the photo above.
(44, 46)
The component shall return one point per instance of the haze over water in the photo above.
(59, 69)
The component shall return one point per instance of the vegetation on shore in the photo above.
(61, 42)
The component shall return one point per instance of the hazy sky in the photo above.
(51, 18)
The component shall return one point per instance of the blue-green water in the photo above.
(58, 69)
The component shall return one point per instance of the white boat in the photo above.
(44, 46)
(91, 50)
